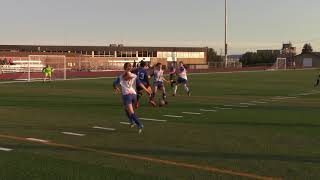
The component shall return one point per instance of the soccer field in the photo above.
(249, 125)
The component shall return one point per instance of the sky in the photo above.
(253, 24)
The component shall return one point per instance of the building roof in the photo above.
(313, 53)
(100, 48)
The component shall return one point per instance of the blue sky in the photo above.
(253, 24)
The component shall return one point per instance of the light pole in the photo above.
(225, 34)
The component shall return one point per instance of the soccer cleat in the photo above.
(152, 103)
(132, 125)
(173, 94)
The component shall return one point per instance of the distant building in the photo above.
(269, 51)
(112, 56)
(308, 60)
(288, 49)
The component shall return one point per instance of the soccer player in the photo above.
(172, 73)
(182, 79)
(128, 81)
(47, 72)
(143, 76)
(317, 81)
(158, 82)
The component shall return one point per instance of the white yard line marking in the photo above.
(126, 123)
(156, 120)
(173, 116)
(225, 108)
(193, 113)
(235, 106)
(280, 98)
(208, 110)
(249, 104)
(104, 128)
(73, 134)
(5, 149)
(259, 102)
(36, 140)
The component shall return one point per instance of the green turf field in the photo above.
(276, 135)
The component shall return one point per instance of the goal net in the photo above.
(281, 63)
(32, 69)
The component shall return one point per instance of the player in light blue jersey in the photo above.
(128, 81)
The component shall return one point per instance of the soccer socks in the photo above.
(175, 90)
(186, 89)
(129, 117)
(135, 119)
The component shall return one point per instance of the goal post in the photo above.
(281, 63)
(36, 63)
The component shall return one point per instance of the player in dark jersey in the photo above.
(143, 76)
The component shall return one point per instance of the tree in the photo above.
(212, 56)
(253, 58)
(307, 48)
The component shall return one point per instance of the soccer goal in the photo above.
(32, 68)
(281, 63)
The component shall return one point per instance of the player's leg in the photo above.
(139, 95)
(317, 83)
(164, 94)
(133, 116)
(153, 95)
(126, 102)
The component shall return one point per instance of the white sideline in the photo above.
(5, 149)
(156, 120)
(73, 134)
(249, 104)
(193, 113)
(225, 108)
(173, 116)
(208, 110)
(98, 127)
(36, 140)
(229, 72)
(259, 102)
(126, 123)
(235, 106)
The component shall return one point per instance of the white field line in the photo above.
(112, 77)
(73, 134)
(173, 116)
(259, 102)
(305, 94)
(73, 79)
(37, 140)
(249, 104)
(126, 123)
(103, 128)
(230, 72)
(193, 113)
(208, 110)
(281, 98)
(156, 120)
(225, 108)
(235, 106)
(5, 149)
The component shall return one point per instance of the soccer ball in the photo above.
(162, 103)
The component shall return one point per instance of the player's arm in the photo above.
(139, 83)
(116, 84)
